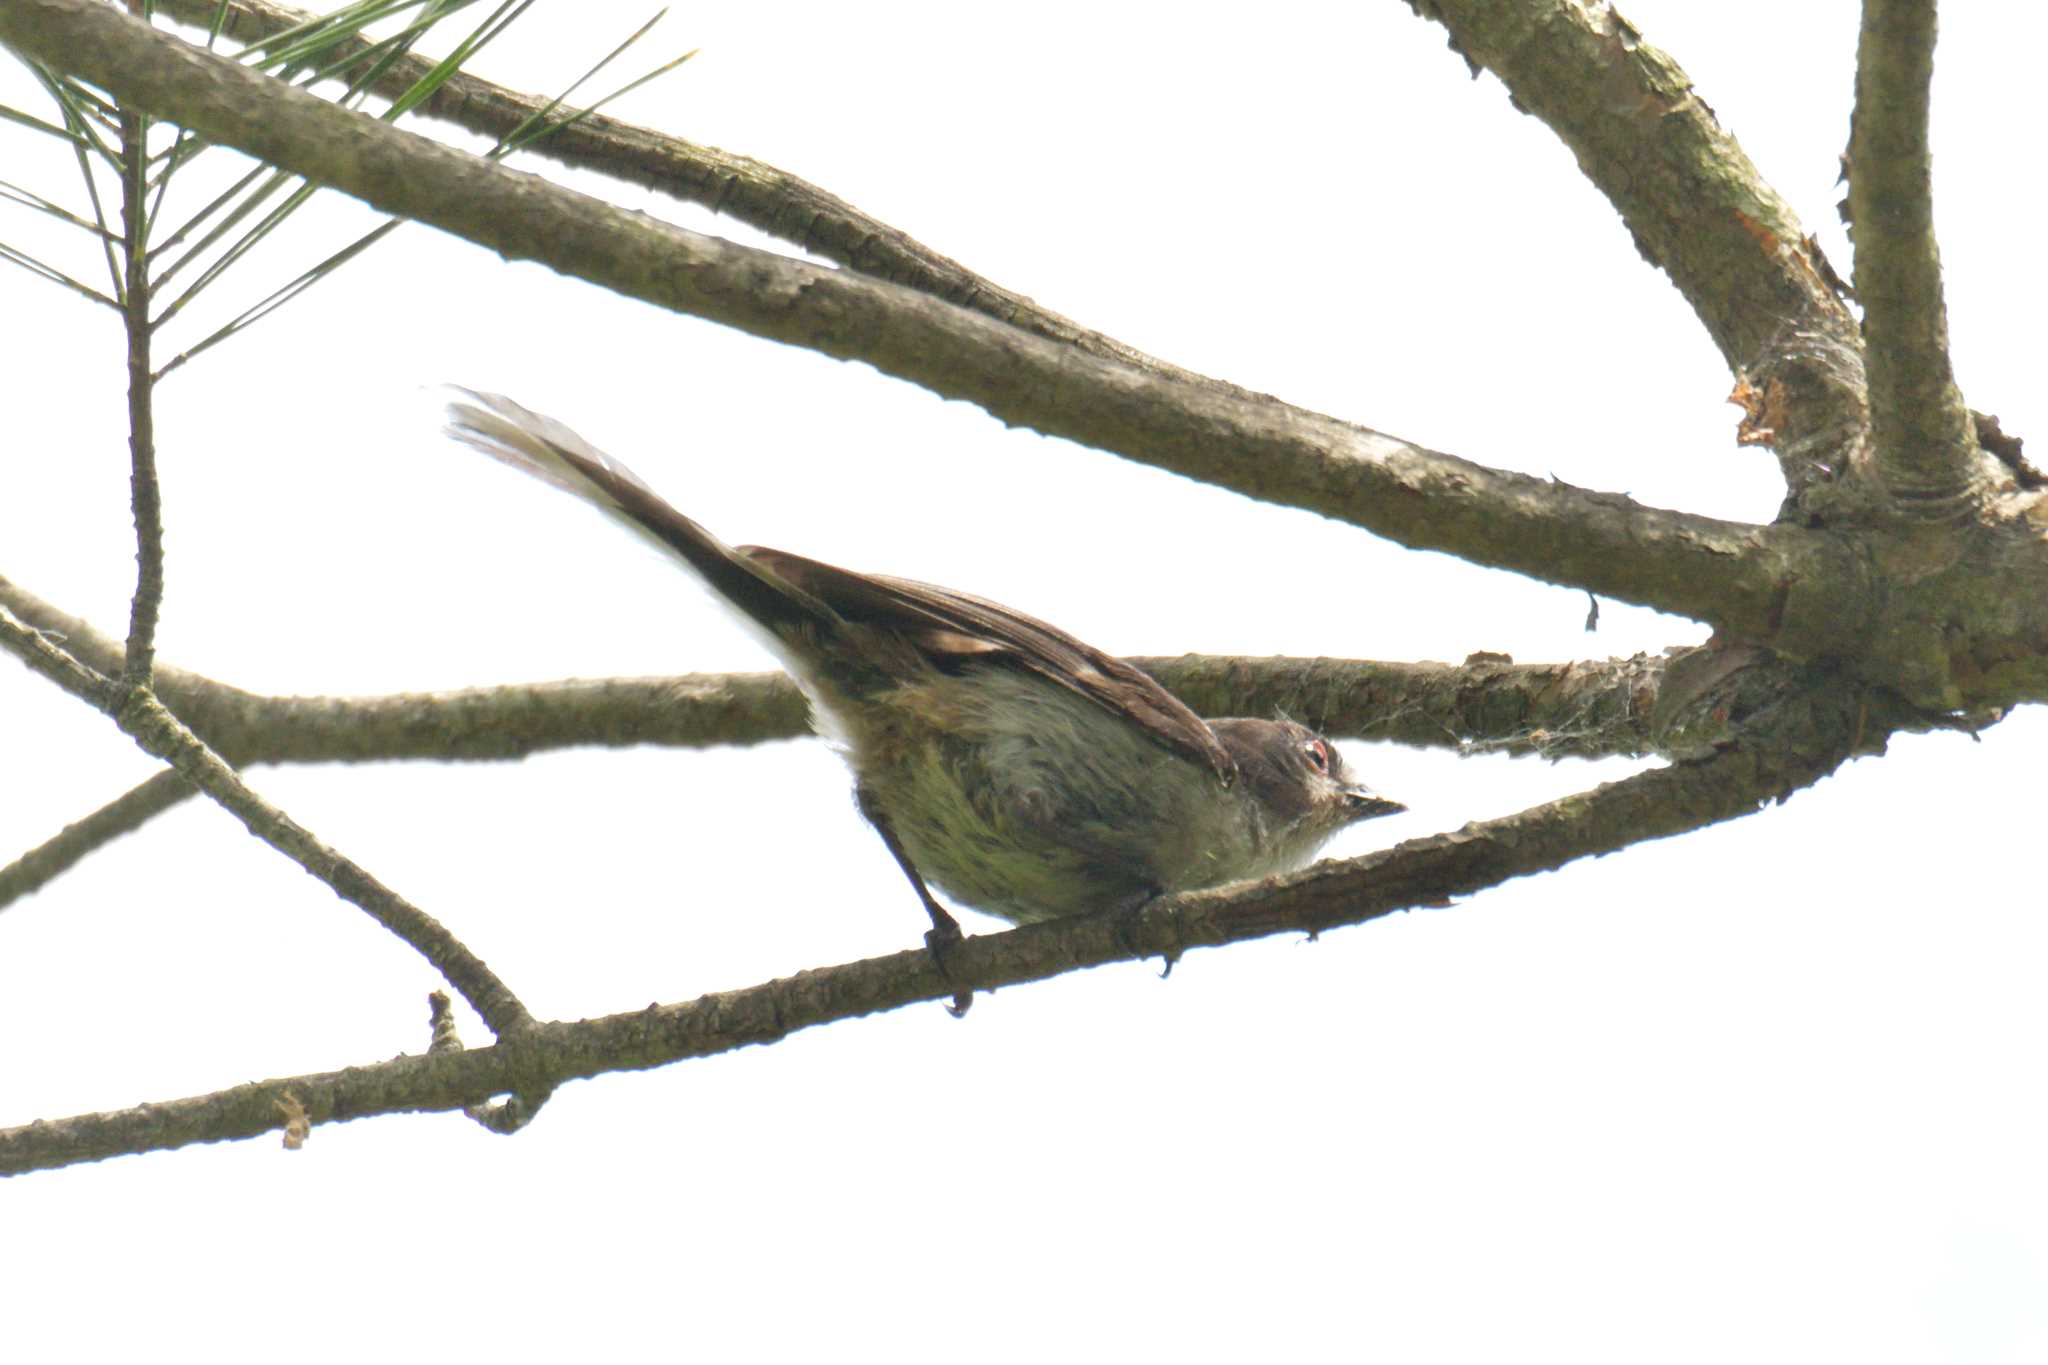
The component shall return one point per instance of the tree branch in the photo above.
(1693, 202)
(64, 850)
(1571, 710)
(1926, 441)
(1728, 573)
(1489, 704)
(145, 496)
(33, 647)
(138, 712)
(160, 734)
(1421, 872)
(748, 191)
(1629, 707)
(1582, 709)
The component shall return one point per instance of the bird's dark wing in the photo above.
(954, 629)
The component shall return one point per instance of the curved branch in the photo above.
(1693, 202)
(1728, 573)
(749, 191)
(1420, 872)
(1926, 441)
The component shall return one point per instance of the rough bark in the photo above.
(1856, 616)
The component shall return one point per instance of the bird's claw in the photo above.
(942, 938)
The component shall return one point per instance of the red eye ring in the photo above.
(1318, 754)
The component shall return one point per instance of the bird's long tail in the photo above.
(539, 445)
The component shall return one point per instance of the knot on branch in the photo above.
(1806, 396)
(1722, 695)
(143, 718)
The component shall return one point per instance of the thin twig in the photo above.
(145, 494)
(162, 735)
(33, 646)
(61, 852)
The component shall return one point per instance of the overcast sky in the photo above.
(1770, 1092)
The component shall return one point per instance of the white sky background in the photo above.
(1770, 1092)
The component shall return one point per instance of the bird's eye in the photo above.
(1318, 754)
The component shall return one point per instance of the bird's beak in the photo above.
(1363, 803)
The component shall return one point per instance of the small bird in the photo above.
(1001, 760)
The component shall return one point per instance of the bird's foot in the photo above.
(942, 938)
(1123, 920)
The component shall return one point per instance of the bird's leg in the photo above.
(945, 931)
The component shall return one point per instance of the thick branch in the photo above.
(1489, 704)
(1421, 872)
(1926, 442)
(1579, 709)
(746, 190)
(1727, 573)
(1695, 205)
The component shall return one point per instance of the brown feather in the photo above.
(955, 628)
